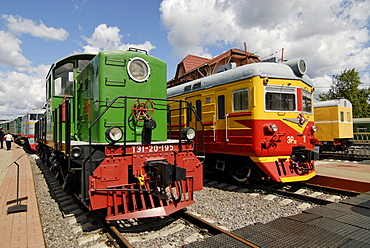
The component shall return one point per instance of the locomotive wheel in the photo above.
(242, 175)
(142, 110)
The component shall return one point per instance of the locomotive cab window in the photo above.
(240, 99)
(280, 98)
(63, 80)
(306, 101)
(82, 63)
(48, 87)
(33, 117)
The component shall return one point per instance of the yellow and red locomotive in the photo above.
(105, 135)
(258, 119)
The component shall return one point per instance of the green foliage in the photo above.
(346, 85)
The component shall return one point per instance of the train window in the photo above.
(341, 116)
(349, 116)
(306, 101)
(361, 129)
(221, 107)
(198, 105)
(240, 99)
(280, 98)
(82, 63)
(208, 100)
(48, 87)
(187, 88)
(33, 117)
(62, 82)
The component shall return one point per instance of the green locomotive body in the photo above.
(105, 135)
(110, 68)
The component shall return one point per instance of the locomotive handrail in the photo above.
(114, 81)
(227, 127)
(198, 120)
(125, 98)
(113, 60)
(59, 119)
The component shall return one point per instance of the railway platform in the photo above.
(20, 220)
(353, 176)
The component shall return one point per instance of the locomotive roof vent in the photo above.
(298, 66)
(226, 67)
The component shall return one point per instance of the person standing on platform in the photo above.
(2, 134)
(8, 139)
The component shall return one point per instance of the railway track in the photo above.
(213, 229)
(87, 228)
(191, 229)
(340, 219)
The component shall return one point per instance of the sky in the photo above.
(331, 36)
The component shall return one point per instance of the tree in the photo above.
(346, 85)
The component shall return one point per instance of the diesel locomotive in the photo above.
(257, 117)
(105, 135)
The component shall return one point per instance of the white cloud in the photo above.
(330, 35)
(19, 25)
(109, 38)
(322, 84)
(10, 51)
(22, 91)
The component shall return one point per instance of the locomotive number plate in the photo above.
(154, 148)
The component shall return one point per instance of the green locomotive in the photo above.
(105, 134)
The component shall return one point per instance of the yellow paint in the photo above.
(256, 88)
(298, 178)
(268, 159)
(330, 124)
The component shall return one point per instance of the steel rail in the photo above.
(212, 229)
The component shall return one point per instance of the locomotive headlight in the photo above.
(189, 133)
(114, 134)
(76, 152)
(271, 128)
(138, 69)
(314, 129)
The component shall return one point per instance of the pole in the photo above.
(17, 208)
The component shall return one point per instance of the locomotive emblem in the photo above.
(300, 120)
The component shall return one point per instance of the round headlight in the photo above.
(314, 129)
(76, 152)
(114, 134)
(274, 128)
(189, 133)
(138, 69)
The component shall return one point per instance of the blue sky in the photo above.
(330, 35)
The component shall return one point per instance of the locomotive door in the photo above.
(196, 101)
(221, 117)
